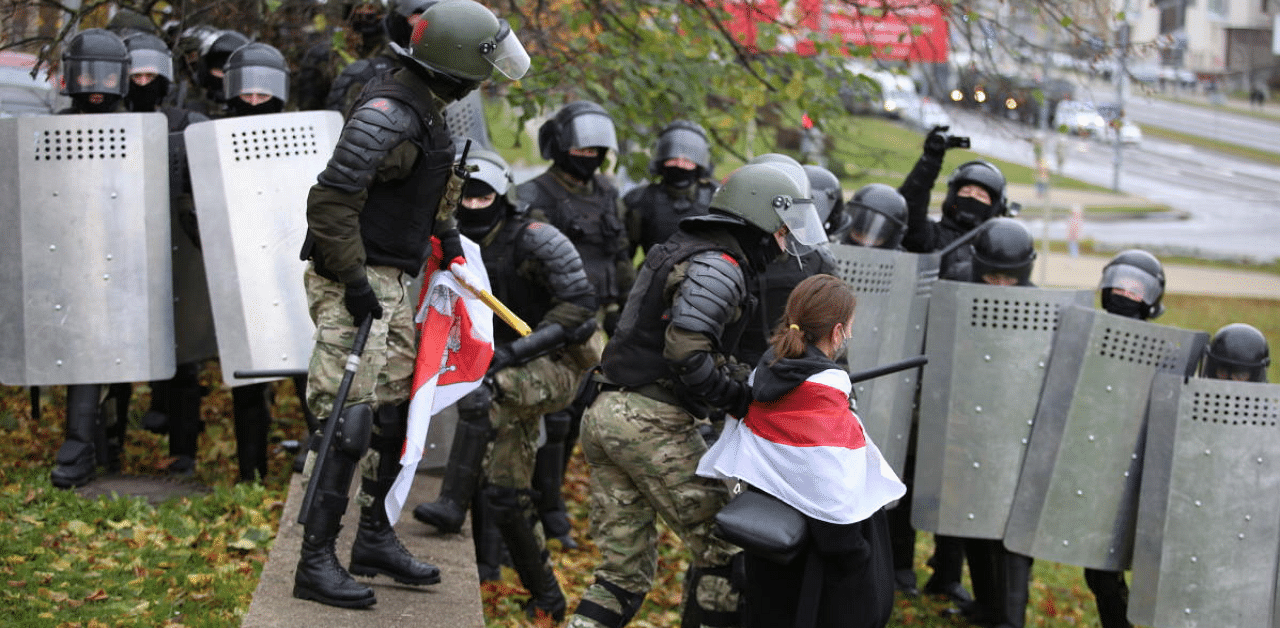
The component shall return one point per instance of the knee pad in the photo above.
(355, 428)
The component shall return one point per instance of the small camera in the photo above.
(957, 141)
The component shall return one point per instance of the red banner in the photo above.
(914, 30)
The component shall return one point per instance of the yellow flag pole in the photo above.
(469, 281)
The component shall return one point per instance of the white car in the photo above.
(1077, 117)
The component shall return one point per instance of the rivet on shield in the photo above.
(1240, 536)
(977, 464)
(1079, 493)
(1108, 388)
(977, 408)
(1198, 503)
(58, 362)
(1126, 474)
(1065, 542)
(118, 360)
(53, 247)
(106, 277)
(1187, 611)
(57, 307)
(1024, 441)
(1194, 559)
(971, 516)
(1207, 452)
(113, 195)
(987, 358)
(1091, 439)
(1259, 460)
(1248, 517)
(1041, 364)
(110, 257)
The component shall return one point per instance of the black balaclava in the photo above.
(238, 107)
(147, 97)
(678, 177)
(80, 102)
(581, 168)
(476, 223)
(1123, 306)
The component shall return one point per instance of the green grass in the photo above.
(1244, 152)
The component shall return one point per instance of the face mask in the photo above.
(146, 97)
(678, 177)
(367, 24)
(581, 168)
(970, 212)
(476, 223)
(82, 104)
(1124, 306)
(241, 108)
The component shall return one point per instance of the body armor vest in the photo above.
(772, 288)
(590, 222)
(530, 300)
(660, 212)
(399, 216)
(633, 356)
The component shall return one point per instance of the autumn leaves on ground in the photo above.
(194, 561)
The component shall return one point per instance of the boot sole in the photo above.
(370, 572)
(440, 527)
(303, 593)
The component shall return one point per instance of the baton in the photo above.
(963, 239)
(251, 374)
(472, 284)
(892, 367)
(348, 374)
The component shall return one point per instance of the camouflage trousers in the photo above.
(385, 374)
(524, 394)
(643, 454)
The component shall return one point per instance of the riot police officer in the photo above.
(681, 165)
(95, 74)
(534, 268)
(388, 188)
(1237, 352)
(877, 217)
(1002, 254)
(975, 193)
(668, 364)
(1132, 286)
(321, 64)
(581, 202)
(213, 54)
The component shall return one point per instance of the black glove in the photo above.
(502, 358)
(451, 248)
(361, 301)
(935, 143)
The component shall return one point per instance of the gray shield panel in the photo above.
(86, 287)
(988, 347)
(1077, 500)
(1210, 511)
(465, 119)
(250, 179)
(892, 289)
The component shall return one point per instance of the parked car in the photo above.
(20, 93)
(1079, 118)
(927, 115)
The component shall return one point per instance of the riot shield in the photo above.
(1210, 506)
(988, 347)
(86, 293)
(1077, 499)
(465, 119)
(250, 180)
(892, 289)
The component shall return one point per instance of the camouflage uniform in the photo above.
(528, 391)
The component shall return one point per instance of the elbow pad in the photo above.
(713, 384)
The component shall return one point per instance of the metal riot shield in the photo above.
(1210, 508)
(988, 347)
(465, 119)
(892, 289)
(86, 288)
(250, 179)
(1077, 500)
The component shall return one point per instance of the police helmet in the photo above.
(686, 139)
(128, 21)
(877, 217)
(580, 124)
(95, 61)
(828, 198)
(1237, 351)
(256, 69)
(787, 163)
(396, 23)
(1006, 248)
(1137, 273)
(984, 174)
(492, 175)
(766, 196)
(464, 41)
(214, 52)
(149, 54)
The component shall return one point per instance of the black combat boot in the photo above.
(319, 576)
(77, 458)
(377, 550)
(491, 552)
(156, 418)
(947, 563)
(115, 422)
(521, 529)
(253, 425)
(465, 466)
(184, 426)
(548, 481)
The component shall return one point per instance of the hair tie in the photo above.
(794, 326)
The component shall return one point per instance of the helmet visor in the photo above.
(492, 174)
(95, 76)
(1132, 282)
(148, 61)
(256, 80)
(590, 129)
(506, 54)
(684, 143)
(800, 216)
(874, 229)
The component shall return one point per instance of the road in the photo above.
(1233, 204)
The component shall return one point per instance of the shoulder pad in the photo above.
(713, 289)
(565, 273)
(375, 127)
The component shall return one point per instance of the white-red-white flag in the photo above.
(455, 347)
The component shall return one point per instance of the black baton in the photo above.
(239, 374)
(331, 426)
(892, 367)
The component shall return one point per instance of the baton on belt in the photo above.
(469, 281)
(331, 427)
(892, 367)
